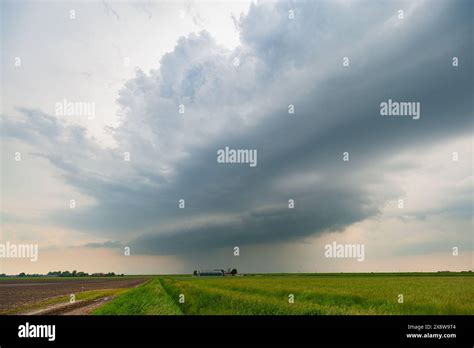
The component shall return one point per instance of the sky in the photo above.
(172, 83)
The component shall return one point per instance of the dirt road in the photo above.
(16, 293)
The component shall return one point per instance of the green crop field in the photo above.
(356, 294)
(149, 298)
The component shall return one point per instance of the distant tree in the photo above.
(22, 274)
(233, 272)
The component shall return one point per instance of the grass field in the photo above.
(361, 294)
(149, 298)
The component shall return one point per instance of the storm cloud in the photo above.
(281, 62)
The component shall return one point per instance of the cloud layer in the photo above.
(282, 61)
